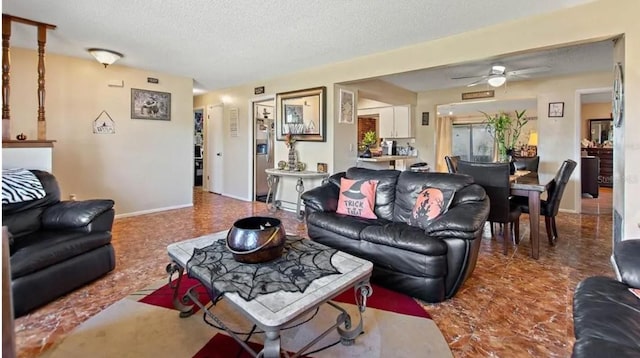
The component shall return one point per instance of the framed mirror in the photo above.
(302, 113)
(600, 130)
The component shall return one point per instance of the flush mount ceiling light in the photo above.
(496, 80)
(105, 57)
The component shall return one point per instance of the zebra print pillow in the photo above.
(19, 185)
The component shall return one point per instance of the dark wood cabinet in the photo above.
(605, 177)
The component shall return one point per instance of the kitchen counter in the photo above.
(387, 158)
(399, 162)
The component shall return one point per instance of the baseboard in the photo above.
(568, 211)
(151, 211)
(236, 197)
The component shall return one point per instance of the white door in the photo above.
(215, 160)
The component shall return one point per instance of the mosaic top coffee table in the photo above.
(275, 310)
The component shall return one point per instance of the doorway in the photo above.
(214, 149)
(596, 152)
(198, 141)
(263, 125)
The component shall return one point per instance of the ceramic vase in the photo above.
(292, 158)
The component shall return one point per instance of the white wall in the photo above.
(146, 165)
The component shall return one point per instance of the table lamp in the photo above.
(533, 142)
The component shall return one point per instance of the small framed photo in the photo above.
(322, 168)
(556, 109)
(147, 104)
(347, 114)
(425, 118)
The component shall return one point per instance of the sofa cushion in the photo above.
(20, 185)
(404, 237)
(357, 198)
(410, 184)
(42, 249)
(430, 204)
(385, 192)
(347, 226)
(51, 189)
(603, 308)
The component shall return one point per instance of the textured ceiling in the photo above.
(592, 57)
(223, 43)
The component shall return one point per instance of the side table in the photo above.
(273, 179)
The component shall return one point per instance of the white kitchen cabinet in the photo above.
(386, 128)
(393, 121)
(402, 121)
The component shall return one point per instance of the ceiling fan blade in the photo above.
(476, 82)
(465, 77)
(526, 71)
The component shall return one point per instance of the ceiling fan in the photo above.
(498, 75)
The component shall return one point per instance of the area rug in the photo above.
(145, 324)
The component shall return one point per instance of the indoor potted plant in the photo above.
(506, 131)
(368, 140)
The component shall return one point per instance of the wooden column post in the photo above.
(6, 36)
(42, 40)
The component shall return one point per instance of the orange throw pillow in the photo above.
(430, 204)
(357, 198)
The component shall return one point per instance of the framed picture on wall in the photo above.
(147, 104)
(556, 109)
(302, 114)
(346, 107)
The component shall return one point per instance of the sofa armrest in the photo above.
(79, 215)
(322, 198)
(462, 221)
(627, 254)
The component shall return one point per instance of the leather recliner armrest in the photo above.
(463, 221)
(79, 215)
(627, 257)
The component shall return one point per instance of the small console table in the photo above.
(273, 178)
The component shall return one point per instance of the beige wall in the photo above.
(569, 26)
(593, 111)
(145, 165)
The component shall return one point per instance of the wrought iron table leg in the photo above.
(181, 304)
(271, 347)
(348, 334)
(300, 190)
(272, 183)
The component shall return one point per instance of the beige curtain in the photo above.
(443, 141)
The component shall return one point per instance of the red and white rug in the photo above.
(145, 324)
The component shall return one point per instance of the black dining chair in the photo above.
(494, 178)
(452, 163)
(549, 208)
(524, 163)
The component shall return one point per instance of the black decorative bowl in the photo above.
(256, 239)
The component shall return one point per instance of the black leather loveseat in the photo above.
(430, 264)
(56, 246)
(606, 315)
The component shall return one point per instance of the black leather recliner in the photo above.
(430, 264)
(56, 246)
(606, 315)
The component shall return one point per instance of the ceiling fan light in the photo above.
(105, 57)
(496, 81)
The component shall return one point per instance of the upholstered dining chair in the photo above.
(494, 178)
(452, 163)
(549, 208)
(524, 163)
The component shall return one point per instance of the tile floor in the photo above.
(512, 306)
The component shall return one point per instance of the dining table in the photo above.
(531, 185)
